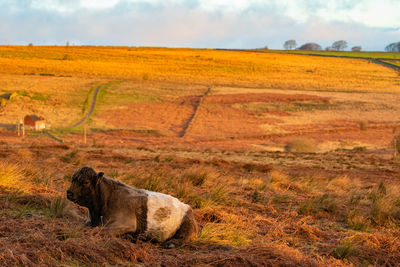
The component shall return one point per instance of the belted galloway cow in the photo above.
(124, 210)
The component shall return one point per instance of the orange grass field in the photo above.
(205, 67)
(287, 160)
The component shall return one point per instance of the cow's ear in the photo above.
(95, 179)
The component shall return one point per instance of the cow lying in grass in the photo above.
(125, 210)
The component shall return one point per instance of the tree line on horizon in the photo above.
(340, 45)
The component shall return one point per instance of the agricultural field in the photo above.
(361, 54)
(394, 62)
(286, 160)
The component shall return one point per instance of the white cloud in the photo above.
(197, 23)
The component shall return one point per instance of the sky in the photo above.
(373, 24)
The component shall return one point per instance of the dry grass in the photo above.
(153, 92)
(201, 66)
(245, 211)
(253, 207)
(301, 145)
(10, 174)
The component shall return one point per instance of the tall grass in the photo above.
(301, 145)
(227, 230)
(10, 174)
(57, 207)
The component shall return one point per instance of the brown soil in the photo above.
(170, 118)
(221, 121)
(260, 97)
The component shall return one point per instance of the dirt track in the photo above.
(92, 106)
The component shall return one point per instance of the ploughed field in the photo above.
(286, 159)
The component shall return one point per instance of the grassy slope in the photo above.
(205, 67)
(381, 55)
(61, 77)
(397, 62)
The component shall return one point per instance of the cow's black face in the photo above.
(82, 189)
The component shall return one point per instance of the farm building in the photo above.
(38, 123)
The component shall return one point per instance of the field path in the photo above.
(192, 118)
(91, 109)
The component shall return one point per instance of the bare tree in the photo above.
(339, 45)
(356, 48)
(310, 46)
(393, 47)
(290, 44)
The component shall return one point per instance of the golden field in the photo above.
(287, 160)
(205, 67)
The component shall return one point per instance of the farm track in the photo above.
(192, 118)
(91, 109)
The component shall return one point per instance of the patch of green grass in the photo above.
(257, 197)
(57, 207)
(196, 176)
(325, 203)
(69, 157)
(21, 211)
(118, 94)
(396, 63)
(356, 221)
(61, 132)
(10, 195)
(218, 194)
(40, 97)
(23, 93)
(345, 250)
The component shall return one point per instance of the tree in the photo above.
(310, 46)
(339, 45)
(393, 47)
(290, 44)
(356, 48)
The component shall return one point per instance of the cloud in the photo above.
(187, 23)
